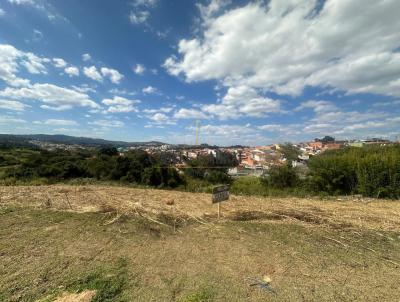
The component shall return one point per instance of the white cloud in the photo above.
(317, 106)
(84, 88)
(223, 112)
(271, 127)
(120, 104)
(184, 113)
(107, 123)
(139, 69)
(286, 131)
(243, 101)
(159, 119)
(4, 119)
(213, 7)
(327, 113)
(141, 13)
(139, 17)
(230, 131)
(72, 71)
(121, 91)
(162, 109)
(86, 57)
(22, 2)
(34, 64)
(147, 3)
(9, 66)
(53, 97)
(2, 12)
(329, 119)
(92, 73)
(12, 105)
(57, 122)
(284, 46)
(37, 35)
(11, 59)
(150, 90)
(59, 63)
(112, 74)
(44, 7)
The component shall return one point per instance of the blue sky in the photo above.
(252, 72)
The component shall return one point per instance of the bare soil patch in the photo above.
(85, 296)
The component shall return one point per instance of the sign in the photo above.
(220, 193)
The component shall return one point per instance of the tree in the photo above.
(326, 139)
(110, 151)
(282, 177)
(290, 152)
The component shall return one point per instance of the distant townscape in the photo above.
(250, 160)
(243, 160)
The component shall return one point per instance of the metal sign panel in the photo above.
(220, 194)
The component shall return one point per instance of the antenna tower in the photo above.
(197, 132)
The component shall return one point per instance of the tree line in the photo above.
(372, 171)
(106, 164)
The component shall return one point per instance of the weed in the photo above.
(108, 287)
(205, 294)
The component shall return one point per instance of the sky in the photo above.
(247, 72)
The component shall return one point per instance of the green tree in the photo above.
(290, 152)
(281, 177)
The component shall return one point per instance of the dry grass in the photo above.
(85, 296)
(137, 245)
(340, 212)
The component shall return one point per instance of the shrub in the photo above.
(280, 177)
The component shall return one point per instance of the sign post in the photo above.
(219, 194)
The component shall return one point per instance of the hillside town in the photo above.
(252, 161)
(256, 160)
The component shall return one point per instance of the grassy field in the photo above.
(124, 244)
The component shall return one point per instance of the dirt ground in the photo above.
(129, 244)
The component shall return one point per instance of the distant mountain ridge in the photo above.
(22, 139)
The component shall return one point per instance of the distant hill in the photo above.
(23, 140)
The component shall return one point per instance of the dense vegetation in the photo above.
(371, 171)
(211, 169)
(105, 164)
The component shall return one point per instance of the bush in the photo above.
(217, 177)
(372, 171)
(280, 177)
(248, 186)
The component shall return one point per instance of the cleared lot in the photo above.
(151, 245)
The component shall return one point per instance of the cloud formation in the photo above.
(92, 73)
(119, 104)
(13, 105)
(57, 122)
(107, 123)
(284, 46)
(53, 97)
(139, 17)
(11, 61)
(139, 69)
(72, 71)
(86, 57)
(150, 90)
(114, 75)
